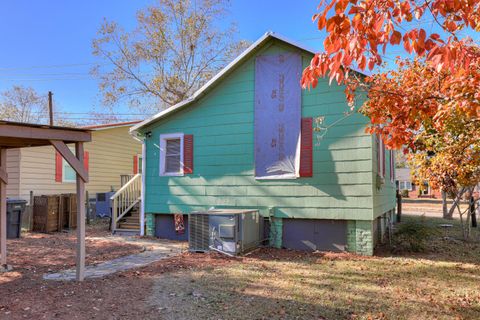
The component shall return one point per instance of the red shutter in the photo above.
(86, 160)
(58, 167)
(188, 154)
(135, 164)
(306, 148)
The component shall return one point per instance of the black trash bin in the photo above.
(15, 209)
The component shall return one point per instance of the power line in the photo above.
(47, 74)
(54, 66)
(52, 79)
(95, 113)
(96, 119)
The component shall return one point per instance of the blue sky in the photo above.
(47, 44)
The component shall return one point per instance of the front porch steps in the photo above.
(130, 223)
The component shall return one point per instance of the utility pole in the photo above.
(50, 107)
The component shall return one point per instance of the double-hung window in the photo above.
(171, 154)
(69, 175)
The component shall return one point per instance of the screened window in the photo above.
(171, 154)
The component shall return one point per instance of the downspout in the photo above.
(142, 192)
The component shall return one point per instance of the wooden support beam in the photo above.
(3, 174)
(80, 216)
(75, 162)
(3, 212)
(10, 130)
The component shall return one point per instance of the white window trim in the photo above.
(64, 162)
(163, 151)
(287, 176)
(402, 185)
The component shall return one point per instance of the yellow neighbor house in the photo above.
(113, 153)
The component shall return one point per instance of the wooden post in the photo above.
(399, 206)
(80, 217)
(30, 218)
(50, 107)
(87, 207)
(3, 212)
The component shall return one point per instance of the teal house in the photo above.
(252, 138)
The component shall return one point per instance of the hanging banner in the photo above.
(277, 115)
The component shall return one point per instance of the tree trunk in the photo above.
(473, 211)
(444, 205)
(456, 202)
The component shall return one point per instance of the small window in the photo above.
(140, 164)
(69, 175)
(171, 154)
(405, 185)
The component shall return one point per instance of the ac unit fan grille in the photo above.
(198, 235)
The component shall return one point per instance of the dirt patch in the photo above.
(267, 284)
(25, 294)
(119, 296)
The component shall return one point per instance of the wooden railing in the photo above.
(124, 178)
(125, 199)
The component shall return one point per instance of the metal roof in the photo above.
(111, 125)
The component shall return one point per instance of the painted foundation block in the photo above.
(276, 229)
(150, 223)
(360, 237)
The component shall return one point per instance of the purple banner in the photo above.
(277, 115)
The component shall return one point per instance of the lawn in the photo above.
(441, 283)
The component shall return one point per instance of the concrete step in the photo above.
(127, 232)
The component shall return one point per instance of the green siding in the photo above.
(222, 124)
(384, 197)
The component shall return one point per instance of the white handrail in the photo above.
(126, 185)
(125, 199)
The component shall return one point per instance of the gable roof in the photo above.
(219, 76)
(111, 125)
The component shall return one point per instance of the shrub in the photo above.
(412, 236)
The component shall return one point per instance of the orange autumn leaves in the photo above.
(430, 105)
(358, 32)
(405, 101)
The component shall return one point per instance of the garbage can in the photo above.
(15, 209)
